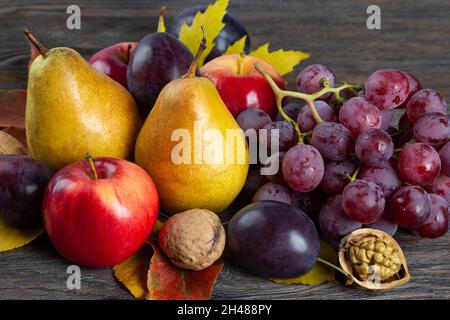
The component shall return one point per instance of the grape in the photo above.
(274, 192)
(333, 221)
(157, 59)
(273, 240)
(232, 31)
(291, 110)
(310, 79)
(444, 154)
(385, 176)
(306, 120)
(374, 147)
(333, 140)
(335, 177)
(386, 119)
(309, 202)
(363, 201)
(432, 128)
(286, 135)
(437, 224)
(419, 164)
(303, 168)
(384, 224)
(387, 88)
(253, 182)
(425, 101)
(404, 123)
(441, 187)
(358, 115)
(278, 176)
(409, 207)
(22, 185)
(404, 138)
(252, 118)
(414, 86)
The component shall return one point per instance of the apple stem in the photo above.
(88, 157)
(193, 68)
(39, 46)
(336, 268)
(241, 63)
(161, 25)
(129, 53)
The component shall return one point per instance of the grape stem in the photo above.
(309, 98)
(355, 174)
(338, 269)
(88, 157)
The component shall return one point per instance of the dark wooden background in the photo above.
(415, 37)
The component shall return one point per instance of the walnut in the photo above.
(374, 259)
(193, 239)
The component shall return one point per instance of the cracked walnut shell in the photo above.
(374, 259)
(193, 239)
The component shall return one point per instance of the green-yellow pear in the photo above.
(192, 146)
(72, 108)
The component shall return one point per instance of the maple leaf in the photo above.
(168, 282)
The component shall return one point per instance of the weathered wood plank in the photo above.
(414, 37)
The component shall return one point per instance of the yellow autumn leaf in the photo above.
(237, 47)
(319, 273)
(211, 20)
(133, 272)
(283, 61)
(12, 237)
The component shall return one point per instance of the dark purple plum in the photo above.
(22, 185)
(158, 59)
(231, 32)
(273, 240)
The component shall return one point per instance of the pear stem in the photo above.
(241, 63)
(39, 46)
(88, 157)
(161, 26)
(193, 68)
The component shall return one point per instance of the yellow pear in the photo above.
(72, 108)
(186, 146)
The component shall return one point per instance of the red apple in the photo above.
(113, 61)
(100, 221)
(240, 85)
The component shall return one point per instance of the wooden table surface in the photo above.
(415, 37)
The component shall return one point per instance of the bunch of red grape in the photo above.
(355, 168)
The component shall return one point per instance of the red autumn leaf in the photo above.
(12, 108)
(168, 282)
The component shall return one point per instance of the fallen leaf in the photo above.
(168, 282)
(319, 273)
(18, 133)
(12, 108)
(10, 145)
(12, 237)
(133, 272)
(237, 47)
(283, 61)
(211, 20)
